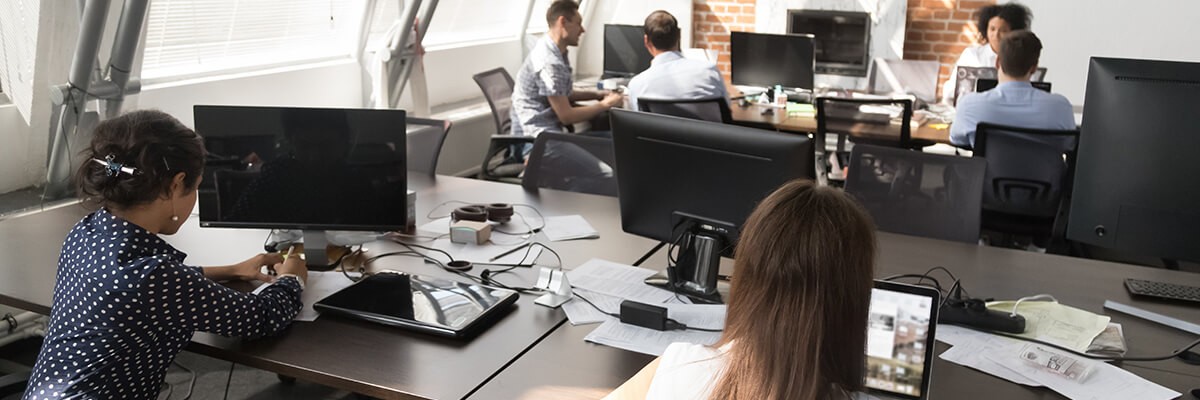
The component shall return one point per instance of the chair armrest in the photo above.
(512, 139)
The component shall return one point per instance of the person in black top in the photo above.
(124, 301)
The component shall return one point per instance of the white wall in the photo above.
(1073, 31)
(449, 70)
(887, 29)
(333, 84)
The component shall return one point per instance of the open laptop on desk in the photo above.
(900, 328)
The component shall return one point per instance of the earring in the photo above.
(174, 218)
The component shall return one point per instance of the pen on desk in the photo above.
(510, 251)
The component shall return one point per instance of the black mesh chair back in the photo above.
(497, 88)
(868, 121)
(916, 193)
(966, 77)
(712, 110)
(504, 160)
(424, 143)
(572, 162)
(1028, 170)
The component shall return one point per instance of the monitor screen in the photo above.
(303, 168)
(625, 52)
(915, 77)
(900, 338)
(1135, 189)
(843, 39)
(717, 173)
(759, 59)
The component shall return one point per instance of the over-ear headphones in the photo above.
(496, 212)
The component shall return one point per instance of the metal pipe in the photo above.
(410, 15)
(408, 66)
(87, 49)
(124, 49)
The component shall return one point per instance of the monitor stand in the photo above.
(316, 255)
(695, 273)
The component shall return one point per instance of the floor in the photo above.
(210, 376)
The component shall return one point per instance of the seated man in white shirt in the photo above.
(670, 76)
(1014, 102)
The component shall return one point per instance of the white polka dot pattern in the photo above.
(125, 305)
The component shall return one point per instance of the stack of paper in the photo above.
(606, 284)
(569, 227)
(997, 355)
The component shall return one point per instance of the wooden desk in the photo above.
(808, 123)
(358, 356)
(564, 360)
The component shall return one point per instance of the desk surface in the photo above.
(362, 357)
(532, 347)
(563, 359)
(753, 113)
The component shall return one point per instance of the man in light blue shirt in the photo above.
(1014, 101)
(670, 76)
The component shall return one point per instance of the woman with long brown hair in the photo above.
(796, 322)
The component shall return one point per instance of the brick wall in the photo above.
(939, 30)
(935, 29)
(713, 20)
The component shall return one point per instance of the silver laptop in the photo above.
(900, 329)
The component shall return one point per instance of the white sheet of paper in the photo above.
(1105, 382)
(580, 313)
(614, 279)
(968, 350)
(319, 286)
(440, 226)
(569, 227)
(484, 253)
(643, 340)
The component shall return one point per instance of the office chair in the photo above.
(579, 163)
(863, 121)
(425, 144)
(1028, 182)
(712, 110)
(504, 160)
(916, 193)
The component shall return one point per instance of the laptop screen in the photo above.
(900, 329)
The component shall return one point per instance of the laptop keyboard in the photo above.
(1163, 290)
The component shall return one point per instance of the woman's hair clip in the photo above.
(114, 168)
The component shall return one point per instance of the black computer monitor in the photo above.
(693, 183)
(311, 169)
(843, 39)
(1135, 178)
(760, 59)
(625, 53)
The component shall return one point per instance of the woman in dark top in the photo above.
(124, 302)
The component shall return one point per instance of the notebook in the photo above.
(422, 303)
(900, 327)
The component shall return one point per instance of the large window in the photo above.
(197, 37)
(464, 21)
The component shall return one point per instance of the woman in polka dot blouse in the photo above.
(124, 302)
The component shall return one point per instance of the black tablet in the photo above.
(427, 304)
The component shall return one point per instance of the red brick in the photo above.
(745, 19)
(928, 26)
(917, 47)
(974, 4)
